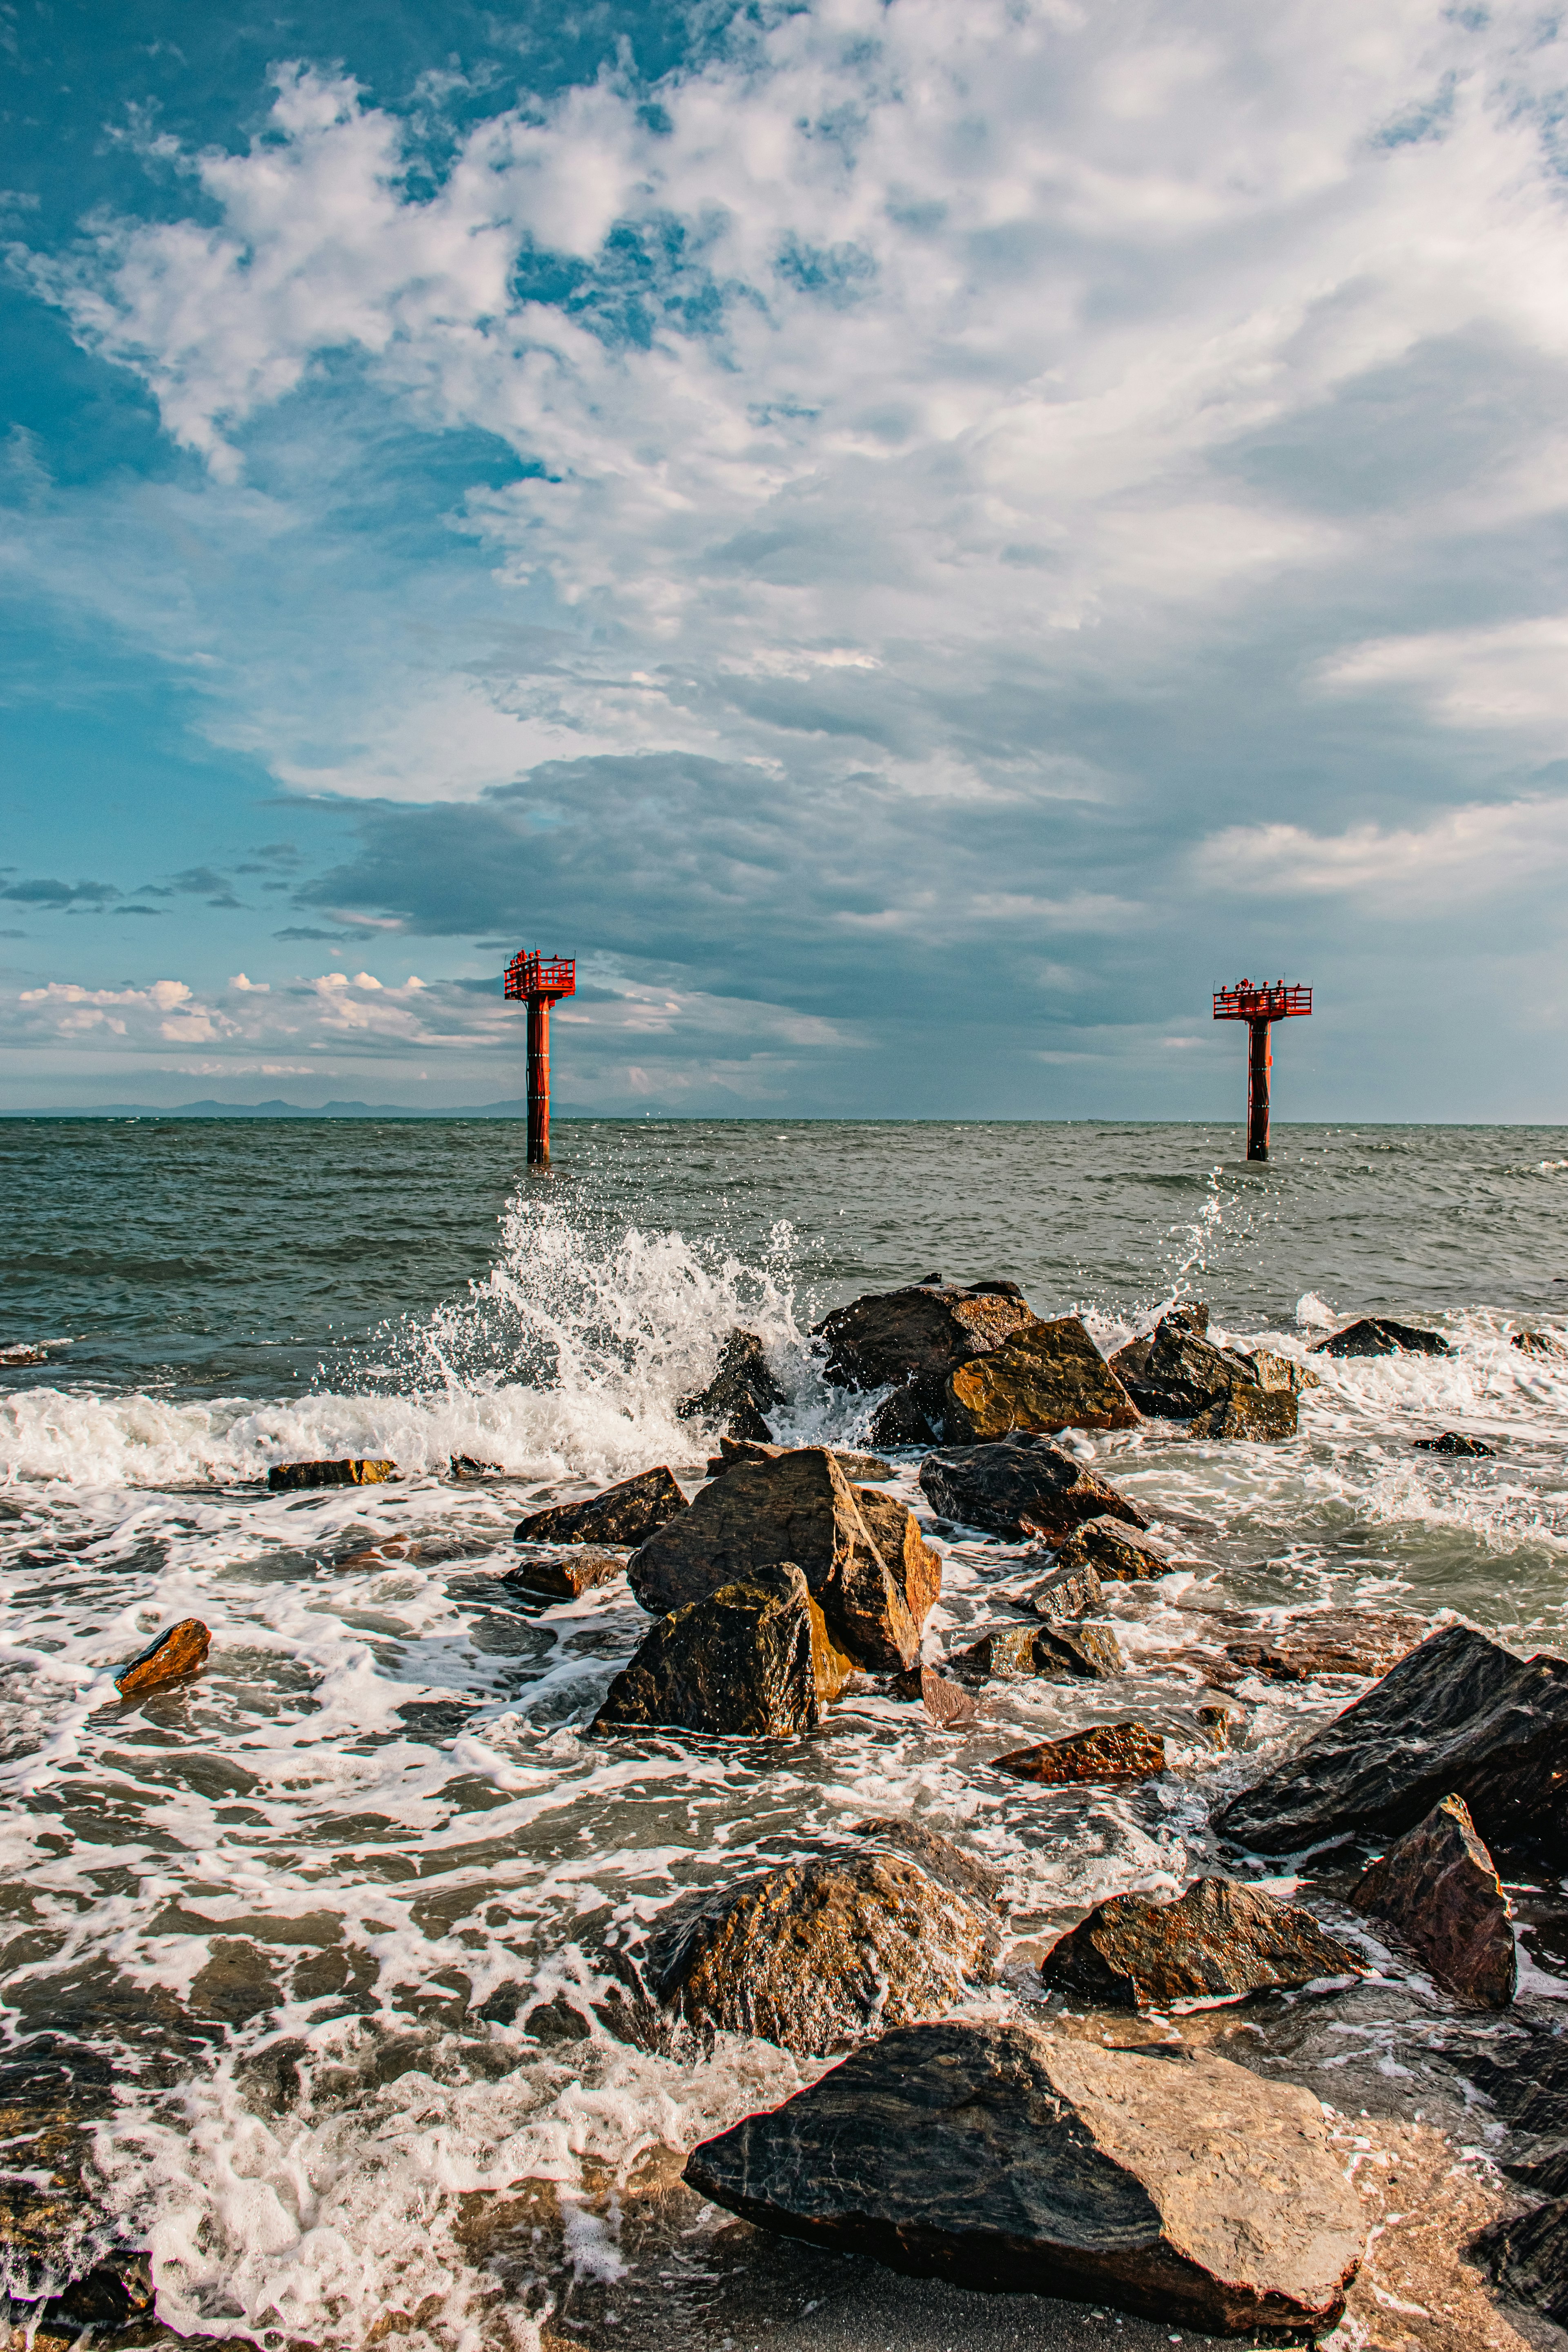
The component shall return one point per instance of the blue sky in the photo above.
(914, 540)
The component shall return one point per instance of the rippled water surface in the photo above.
(338, 1911)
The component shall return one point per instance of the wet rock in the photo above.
(1440, 1890)
(1461, 1716)
(287, 1477)
(1130, 1363)
(1114, 1551)
(1335, 1642)
(862, 1554)
(1262, 1416)
(1184, 1373)
(469, 1465)
(942, 1858)
(1271, 1371)
(911, 1340)
(819, 1954)
(1011, 1652)
(566, 1576)
(1528, 2255)
(854, 1465)
(66, 2262)
(947, 1705)
(1110, 1751)
(1218, 1722)
(1537, 1343)
(180, 1650)
(15, 1353)
(624, 1514)
(1001, 2157)
(1023, 1485)
(754, 1659)
(1220, 1942)
(741, 1392)
(1067, 1591)
(1047, 1377)
(1375, 1335)
(1453, 1440)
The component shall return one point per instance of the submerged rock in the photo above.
(1047, 1377)
(911, 1340)
(942, 1858)
(1221, 1941)
(1453, 1440)
(819, 1954)
(741, 1392)
(1331, 1642)
(567, 1575)
(1537, 1343)
(179, 1650)
(1376, 1335)
(1114, 1550)
(1438, 1888)
(66, 2263)
(287, 1477)
(1001, 2157)
(1110, 1751)
(1011, 1652)
(1262, 1416)
(948, 1706)
(1024, 1485)
(624, 1514)
(754, 1659)
(1460, 1715)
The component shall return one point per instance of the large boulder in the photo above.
(1376, 1335)
(624, 1514)
(1262, 1416)
(1183, 1371)
(1048, 1376)
(911, 1340)
(1220, 1942)
(942, 1858)
(1001, 2157)
(861, 1553)
(1439, 1891)
(754, 1659)
(1114, 1550)
(1022, 1486)
(741, 1392)
(1109, 1751)
(1459, 1714)
(819, 1954)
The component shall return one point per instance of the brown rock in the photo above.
(893, 1336)
(1271, 1371)
(854, 1465)
(1024, 1485)
(1068, 1591)
(1334, 1642)
(942, 1858)
(754, 1659)
(1452, 1441)
(1184, 1373)
(1047, 1377)
(1221, 1941)
(741, 1392)
(1131, 1362)
(1377, 1335)
(1012, 1652)
(1115, 1552)
(1439, 1889)
(568, 1576)
(624, 1514)
(944, 1703)
(1262, 1416)
(287, 1477)
(896, 1532)
(1110, 1751)
(1537, 1343)
(177, 1651)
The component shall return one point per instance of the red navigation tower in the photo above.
(539, 981)
(1257, 1002)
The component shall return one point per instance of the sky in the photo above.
(914, 541)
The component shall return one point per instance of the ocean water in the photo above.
(338, 1914)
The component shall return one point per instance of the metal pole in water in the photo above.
(1259, 1002)
(539, 981)
(1260, 1062)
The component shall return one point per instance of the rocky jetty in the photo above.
(566, 1575)
(623, 1515)
(1375, 1335)
(1021, 1486)
(1047, 1377)
(1058, 1651)
(290, 1477)
(912, 1340)
(1221, 1941)
(179, 1650)
(1114, 1550)
(754, 1659)
(1110, 1751)
(741, 1392)
(1438, 1889)
(1001, 2157)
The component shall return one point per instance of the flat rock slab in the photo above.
(1001, 2157)
(1110, 1751)
(566, 1576)
(754, 1659)
(1047, 1377)
(1023, 1485)
(1460, 1715)
(1375, 1335)
(1016, 1653)
(1440, 1890)
(1110, 1549)
(1221, 1941)
(287, 1477)
(626, 1514)
(820, 1953)
(180, 1650)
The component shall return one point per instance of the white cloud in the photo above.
(1464, 855)
(1513, 676)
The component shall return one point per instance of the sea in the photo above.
(335, 1917)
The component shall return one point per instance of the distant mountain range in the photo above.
(276, 1108)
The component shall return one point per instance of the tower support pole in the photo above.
(1260, 1062)
(539, 1083)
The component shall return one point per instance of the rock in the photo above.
(1184, 1373)
(1527, 2253)
(1221, 1941)
(287, 1477)
(179, 1650)
(1010, 1653)
(1130, 1363)
(1000, 2156)
(1024, 1485)
(1335, 1642)
(942, 1858)
(1271, 1371)
(68, 2265)
(820, 1953)
(741, 1392)
(16, 1353)
(468, 1465)
(1453, 1442)
(944, 1703)
(567, 1577)
(1439, 1889)
(854, 1465)
(1459, 1714)
(1067, 1591)
(911, 1340)
(624, 1514)
(1110, 1751)
(1375, 1335)
(1216, 1721)
(1263, 1415)
(1121, 1554)
(753, 1659)
(1537, 1343)
(875, 1587)
(1047, 1377)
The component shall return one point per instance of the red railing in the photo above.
(1252, 1000)
(532, 974)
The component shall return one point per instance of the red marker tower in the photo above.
(1257, 1002)
(539, 981)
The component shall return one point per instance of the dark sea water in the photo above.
(336, 1911)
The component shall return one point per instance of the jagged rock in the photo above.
(1067, 1591)
(1375, 1335)
(1023, 1485)
(1184, 1372)
(861, 1553)
(1011, 1652)
(1001, 2157)
(855, 1466)
(1110, 1751)
(1528, 2255)
(623, 1515)
(1335, 1642)
(911, 1340)
(1119, 1553)
(1439, 1889)
(1537, 1343)
(947, 1705)
(566, 1576)
(1460, 1715)
(469, 1465)
(16, 1353)
(178, 1650)
(1221, 1941)
(1263, 1415)
(287, 1477)
(819, 1954)
(1047, 1377)
(1130, 1363)
(66, 2261)
(1453, 1440)
(1218, 1722)
(741, 1392)
(754, 1659)
(1272, 1371)
(942, 1858)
